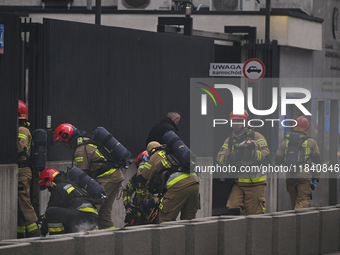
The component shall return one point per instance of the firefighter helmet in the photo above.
(239, 116)
(151, 146)
(63, 132)
(46, 177)
(302, 124)
(143, 156)
(22, 110)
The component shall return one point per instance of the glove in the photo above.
(151, 202)
(313, 184)
(236, 156)
(240, 153)
(129, 208)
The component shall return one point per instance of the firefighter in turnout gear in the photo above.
(298, 150)
(27, 217)
(88, 158)
(179, 189)
(245, 147)
(69, 208)
(135, 199)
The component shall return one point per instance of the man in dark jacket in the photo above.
(167, 124)
(69, 210)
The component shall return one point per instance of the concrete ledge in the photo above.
(137, 241)
(259, 235)
(232, 236)
(103, 244)
(284, 234)
(329, 230)
(12, 248)
(168, 240)
(201, 238)
(307, 233)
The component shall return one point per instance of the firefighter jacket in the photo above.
(131, 188)
(67, 195)
(309, 153)
(257, 157)
(24, 147)
(170, 177)
(88, 158)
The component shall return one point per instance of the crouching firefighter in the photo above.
(245, 147)
(69, 208)
(299, 151)
(90, 158)
(180, 192)
(135, 199)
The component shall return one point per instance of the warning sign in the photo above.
(254, 69)
(226, 69)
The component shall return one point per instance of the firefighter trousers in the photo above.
(61, 220)
(27, 217)
(185, 200)
(248, 198)
(111, 184)
(300, 192)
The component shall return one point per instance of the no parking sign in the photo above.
(254, 69)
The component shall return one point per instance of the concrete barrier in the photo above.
(232, 236)
(8, 201)
(168, 240)
(41, 245)
(200, 236)
(307, 233)
(259, 235)
(137, 241)
(12, 248)
(329, 230)
(103, 244)
(284, 234)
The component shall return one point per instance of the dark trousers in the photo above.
(63, 220)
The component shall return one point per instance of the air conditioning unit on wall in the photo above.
(234, 5)
(164, 5)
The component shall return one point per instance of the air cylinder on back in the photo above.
(183, 154)
(39, 149)
(118, 152)
(95, 190)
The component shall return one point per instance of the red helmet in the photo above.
(63, 132)
(46, 177)
(143, 156)
(22, 110)
(302, 124)
(239, 116)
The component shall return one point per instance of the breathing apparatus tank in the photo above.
(93, 188)
(39, 149)
(182, 153)
(112, 149)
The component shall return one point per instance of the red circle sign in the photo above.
(254, 69)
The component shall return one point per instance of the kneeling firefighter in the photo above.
(92, 159)
(69, 209)
(135, 199)
(170, 165)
